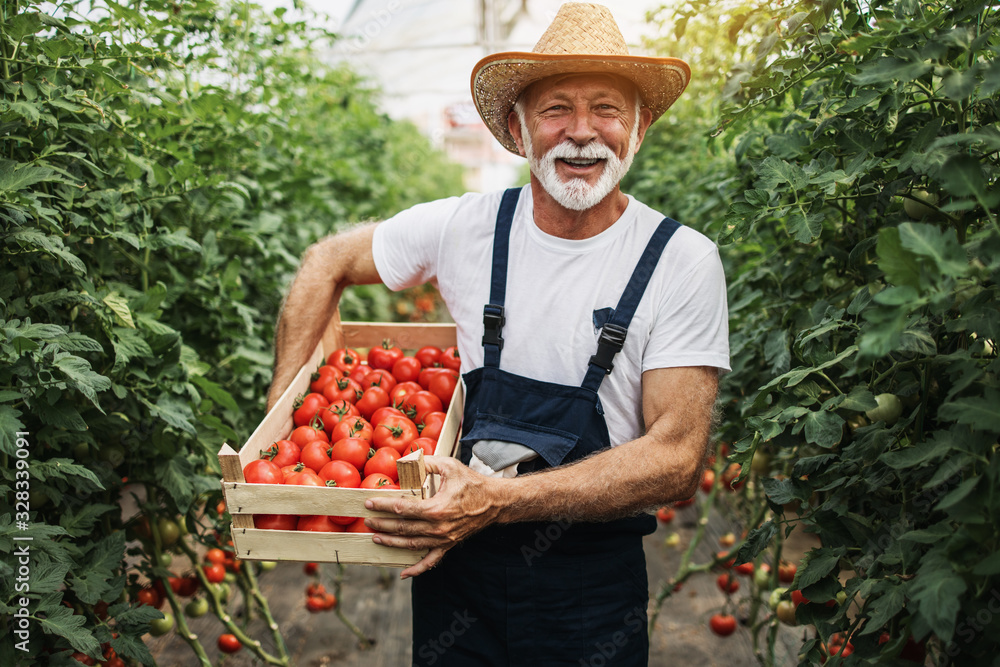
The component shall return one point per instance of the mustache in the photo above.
(592, 151)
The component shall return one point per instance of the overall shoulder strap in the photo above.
(613, 333)
(493, 317)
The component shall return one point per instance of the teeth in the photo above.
(579, 163)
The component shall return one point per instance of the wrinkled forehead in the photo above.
(576, 81)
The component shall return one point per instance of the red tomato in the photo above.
(275, 521)
(216, 555)
(307, 477)
(395, 432)
(430, 426)
(342, 474)
(402, 390)
(786, 572)
(426, 444)
(284, 452)
(316, 454)
(798, 598)
(377, 480)
(665, 514)
(722, 624)
(727, 583)
(337, 411)
(360, 373)
(443, 385)
(382, 413)
(306, 407)
(303, 435)
(287, 471)
(372, 399)
(262, 471)
(322, 377)
(384, 461)
(379, 378)
(450, 358)
(148, 596)
(406, 369)
(358, 526)
(708, 481)
(744, 568)
(343, 389)
(428, 355)
(214, 572)
(344, 359)
(352, 427)
(352, 450)
(315, 604)
(419, 403)
(384, 356)
(319, 524)
(228, 643)
(185, 586)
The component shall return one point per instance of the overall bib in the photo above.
(540, 593)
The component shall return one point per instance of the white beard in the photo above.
(576, 194)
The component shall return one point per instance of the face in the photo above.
(579, 133)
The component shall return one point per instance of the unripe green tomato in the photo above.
(225, 590)
(889, 409)
(196, 607)
(916, 207)
(81, 451)
(762, 577)
(760, 465)
(841, 597)
(775, 597)
(268, 565)
(785, 612)
(166, 560)
(169, 531)
(161, 626)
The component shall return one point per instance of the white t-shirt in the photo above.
(554, 287)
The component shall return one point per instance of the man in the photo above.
(592, 332)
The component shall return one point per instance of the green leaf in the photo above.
(61, 468)
(183, 483)
(82, 377)
(62, 415)
(131, 646)
(119, 306)
(216, 392)
(92, 579)
(962, 176)
(816, 565)
(932, 535)
(784, 491)
(15, 177)
(10, 425)
(883, 605)
(981, 413)
(941, 246)
(823, 428)
(859, 399)
(989, 566)
(937, 592)
(892, 69)
(900, 266)
(173, 411)
(805, 227)
(756, 541)
(775, 173)
(80, 521)
(61, 621)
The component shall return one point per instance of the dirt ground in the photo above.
(378, 602)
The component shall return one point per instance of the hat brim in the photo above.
(498, 79)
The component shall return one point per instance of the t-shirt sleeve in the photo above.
(692, 325)
(407, 246)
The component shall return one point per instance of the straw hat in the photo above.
(582, 38)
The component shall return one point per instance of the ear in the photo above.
(645, 120)
(514, 127)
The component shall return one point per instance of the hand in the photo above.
(464, 504)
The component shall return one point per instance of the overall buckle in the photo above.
(609, 344)
(493, 321)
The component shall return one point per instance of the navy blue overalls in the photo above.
(540, 593)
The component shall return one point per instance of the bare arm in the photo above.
(327, 267)
(663, 465)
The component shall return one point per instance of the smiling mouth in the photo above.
(579, 162)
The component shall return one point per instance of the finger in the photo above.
(399, 506)
(428, 562)
(398, 526)
(411, 543)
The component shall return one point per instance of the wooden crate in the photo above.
(244, 500)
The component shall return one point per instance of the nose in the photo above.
(580, 129)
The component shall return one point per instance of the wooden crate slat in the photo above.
(407, 336)
(306, 500)
(357, 548)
